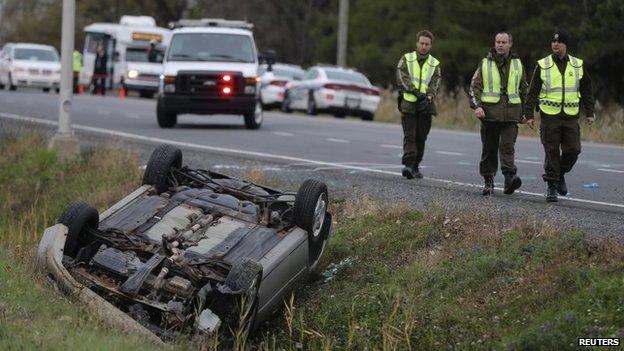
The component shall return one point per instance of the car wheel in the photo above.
(253, 120)
(368, 116)
(78, 217)
(158, 170)
(285, 107)
(311, 109)
(58, 90)
(46, 90)
(165, 118)
(146, 94)
(309, 212)
(340, 114)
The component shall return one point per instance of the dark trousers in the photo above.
(76, 75)
(561, 137)
(99, 83)
(498, 139)
(415, 130)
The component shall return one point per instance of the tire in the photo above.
(253, 120)
(165, 118)
(311, 108)
(285, 107)
(368, 116)
(340, 114)
(146, 94)
(309, 209)
(77, 217)
(58, 90)
(46, 90)
(163, 159)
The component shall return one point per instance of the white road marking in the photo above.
(334, 140)
(274, 156)
(388, 146)
(610, 170)
(449, 153)
(530, 162)
(283, 133)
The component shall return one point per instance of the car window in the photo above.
(36, 55)
(217, 47)
(312, 74)
(141, 55)
(353, 77)
(289, 73)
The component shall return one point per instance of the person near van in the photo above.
(100, 72)
(76, 68)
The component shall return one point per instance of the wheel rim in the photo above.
(319, 215)
(258, 115)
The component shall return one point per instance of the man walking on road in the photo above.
(497, 90)
(559, 86)
(418, 79)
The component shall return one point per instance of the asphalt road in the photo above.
(351, 149)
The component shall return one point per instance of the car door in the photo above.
(300, 92)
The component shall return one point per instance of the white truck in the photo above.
(126, 45)
(210, 67)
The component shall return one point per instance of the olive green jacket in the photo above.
(404, 82)
(502, 111)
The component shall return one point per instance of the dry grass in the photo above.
(454, 112)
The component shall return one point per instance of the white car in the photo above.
(210, 67)
(30, 65)
(141, 74)
(273, 82)
(340, 91)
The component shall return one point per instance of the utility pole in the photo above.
(64, 140)
(343, 31)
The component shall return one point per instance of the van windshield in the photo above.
(211, 47)
(36, 55)
(143, 55)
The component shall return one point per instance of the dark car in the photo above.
(190, 250)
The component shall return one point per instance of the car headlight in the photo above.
(133, 74)
(168, 83)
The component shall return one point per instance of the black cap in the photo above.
(561, 36)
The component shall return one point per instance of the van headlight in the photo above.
(133, 74)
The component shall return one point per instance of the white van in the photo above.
(210, 67)
(126, 44)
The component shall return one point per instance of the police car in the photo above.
(210, 67)
(29, 65)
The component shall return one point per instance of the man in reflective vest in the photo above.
(497, 90)
(418, 79)
(76, 68)
(559, 86)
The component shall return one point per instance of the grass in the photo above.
(454, 112)
(401, 279)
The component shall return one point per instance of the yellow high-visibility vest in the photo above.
(492, 81)
(420, 76)
(77, 62)
(560, 92)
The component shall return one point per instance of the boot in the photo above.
(551, 195)
(488, 188)
(408, 172)
(562, 188)
(512, 182)
(416, 172)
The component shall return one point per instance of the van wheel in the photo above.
(158, 171)
(165, 118)
(78, 217)
(146, 94)
(253, 120)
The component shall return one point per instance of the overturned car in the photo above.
(190, 250)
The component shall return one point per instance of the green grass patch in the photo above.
(408, 280)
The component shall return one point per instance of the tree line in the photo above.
(305, 31)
